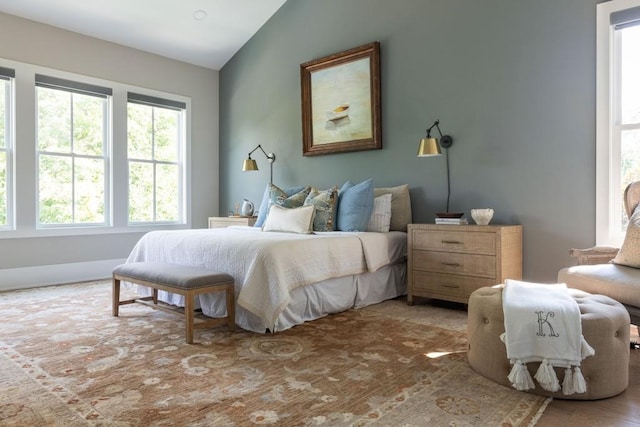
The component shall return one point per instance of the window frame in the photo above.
(24, 165)
(174, 105)
(608, 128)
(7, 77)
(77, 87)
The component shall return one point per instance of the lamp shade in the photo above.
(429, 147)
(249, 165)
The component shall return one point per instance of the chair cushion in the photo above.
(615, 281)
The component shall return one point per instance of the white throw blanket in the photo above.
(542, 324)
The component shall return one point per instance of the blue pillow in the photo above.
(264, 205)
(355, 204)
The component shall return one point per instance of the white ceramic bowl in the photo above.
(482, 216)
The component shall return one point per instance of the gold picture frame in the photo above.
(341, 102)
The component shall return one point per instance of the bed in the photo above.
(284, 279)
(292, 266)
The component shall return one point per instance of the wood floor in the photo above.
(618, 411)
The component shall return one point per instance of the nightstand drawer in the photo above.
(449, 262)
(224, 221)
(455, 263)
(446, 286)
(455, 241)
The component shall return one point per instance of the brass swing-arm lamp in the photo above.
(431, 147)
(250, 164)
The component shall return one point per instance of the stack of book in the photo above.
(452, 221)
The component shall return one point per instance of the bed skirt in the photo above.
(313, 301)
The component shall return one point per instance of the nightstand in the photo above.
(449, 262)
(225, 221)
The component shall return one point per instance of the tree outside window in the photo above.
(72, 162)
(155, 147)
(628, 123)
(5, 92)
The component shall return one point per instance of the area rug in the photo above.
(65, 361)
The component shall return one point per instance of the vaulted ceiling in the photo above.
(201, 32)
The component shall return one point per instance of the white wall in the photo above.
(32, 257)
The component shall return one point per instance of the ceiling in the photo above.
(201, 32)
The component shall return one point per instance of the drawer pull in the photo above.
(451, 264)
(451, 242)
(450, 286)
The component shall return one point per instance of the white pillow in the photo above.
(381, 216)
(295, 220)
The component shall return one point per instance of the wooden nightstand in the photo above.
(225, 221)
(449, 262)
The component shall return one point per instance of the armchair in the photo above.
(611, 271)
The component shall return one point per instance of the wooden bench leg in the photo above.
(188, 316)
(115, 295)
(231, 307)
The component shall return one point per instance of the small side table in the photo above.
(226, 221)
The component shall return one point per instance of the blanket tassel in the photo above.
(579, 384)
(585, 349)
(567, 383)
(547, 377)
(520, 377)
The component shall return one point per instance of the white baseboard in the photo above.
(47, 275)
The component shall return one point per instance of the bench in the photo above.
(179, 279)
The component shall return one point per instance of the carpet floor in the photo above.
(65, 361)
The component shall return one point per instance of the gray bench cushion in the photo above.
(178, 276)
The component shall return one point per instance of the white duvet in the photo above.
(267, 266)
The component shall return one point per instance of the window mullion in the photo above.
(153, 157)
(73, 162)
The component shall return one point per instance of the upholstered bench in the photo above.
(605, 326)
(183, 280)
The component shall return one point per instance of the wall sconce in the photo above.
(250, 164)
(431, 147)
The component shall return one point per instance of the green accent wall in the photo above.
(512, 81)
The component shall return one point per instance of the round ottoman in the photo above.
(605, 326)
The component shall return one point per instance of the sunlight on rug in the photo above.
(65, 361)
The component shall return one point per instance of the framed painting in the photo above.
(341, 102)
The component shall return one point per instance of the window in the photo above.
(72, 146)
(156, 137)
(618, 114)
(6, 147)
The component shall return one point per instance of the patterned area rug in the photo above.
(65, 361)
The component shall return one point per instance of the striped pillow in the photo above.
(380, 220)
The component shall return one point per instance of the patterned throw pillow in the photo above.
(266, 202)
(325, 203)
(629, 253)
(281, 198)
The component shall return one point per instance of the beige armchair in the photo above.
(597, 274)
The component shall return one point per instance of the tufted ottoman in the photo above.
(605, 326)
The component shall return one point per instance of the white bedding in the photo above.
(269, 269)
